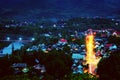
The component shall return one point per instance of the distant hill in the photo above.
(40, 9)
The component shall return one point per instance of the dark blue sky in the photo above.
(64, 7)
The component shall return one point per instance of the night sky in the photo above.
(60, 8)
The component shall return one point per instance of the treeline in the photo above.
(94, 23)
(79, 24)
(56, 62)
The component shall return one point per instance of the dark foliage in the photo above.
(109, 68)
(58, 64)
(114, 40)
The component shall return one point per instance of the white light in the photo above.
(33, 39)
(116, 24)
(20, 39)
(54, 25)
(8, 38)
(113, 19)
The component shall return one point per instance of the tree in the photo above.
(80, 41)
(114, 40)
(3, 44)
(58, 64)
(53, 40)
(84, 76)
(20, 77)
(109, 68)
(66, 49)
(41, 56)
(29, 59)
(5, 67)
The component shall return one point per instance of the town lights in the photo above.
(8, 38)
(33, 39)
(20, 39)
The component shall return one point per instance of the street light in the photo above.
(8, 38)
(33, 39)
(20, 39)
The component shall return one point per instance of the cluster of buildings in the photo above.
(77, 52)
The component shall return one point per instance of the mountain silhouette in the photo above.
(35, 9)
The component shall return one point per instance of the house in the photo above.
(113, 47)
(62, 41)
(19, 68)
(40, 68)
(103, 35)
(108, 45)
(19, 65)
(116, 33)
(77, 56)
(33, 48)
(11, 47)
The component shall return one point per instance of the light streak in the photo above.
(91, 59)
(15, 40)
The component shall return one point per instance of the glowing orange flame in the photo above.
(91, 59)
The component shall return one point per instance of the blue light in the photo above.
(20, 39)
(33, 39)
(8, 38)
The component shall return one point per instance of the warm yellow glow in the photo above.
(46, 51)
(76, 49)
(91, 59)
